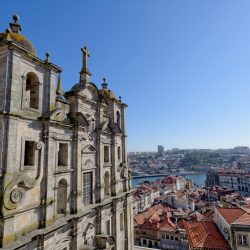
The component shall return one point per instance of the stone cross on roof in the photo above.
(85, 74)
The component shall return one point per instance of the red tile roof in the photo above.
(209, 216)
(205, 235)
(196, 216)
(244, 219)
(158, 217)
(231, 214)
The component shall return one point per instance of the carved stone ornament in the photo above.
(17, 194)
(85, 135)
(92, 136)
(39, 145)
(125, 172)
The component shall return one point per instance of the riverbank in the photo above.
(198, 179)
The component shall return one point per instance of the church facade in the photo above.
(65, 179)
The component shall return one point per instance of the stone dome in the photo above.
(24, 42)
(13, 34)
(108, 93)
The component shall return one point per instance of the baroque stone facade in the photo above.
(65, 180)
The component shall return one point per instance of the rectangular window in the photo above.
(121, 221)
(63, 154)
(87, 188)
(119, 153)
(242, 240)
(106, 153)
(108, 230)
(29, 153)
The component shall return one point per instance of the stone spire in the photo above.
(15, 26)
(59, 91)
(85, 73)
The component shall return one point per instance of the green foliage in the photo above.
(202, 157)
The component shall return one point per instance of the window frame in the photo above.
(87, 197)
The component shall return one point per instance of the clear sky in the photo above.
(183, 67)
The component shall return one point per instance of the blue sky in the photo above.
(182, 66)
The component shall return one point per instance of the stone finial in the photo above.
(59, 90)
(15, 26)
(85, 73)
(47, 60)
(7, 35)
(104, 84)
(15, 18)
(120, 99)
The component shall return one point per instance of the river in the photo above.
(198, 179)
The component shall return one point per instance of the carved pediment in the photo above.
(90, 229)
(78, 119)
(58, 114)
(89, 149)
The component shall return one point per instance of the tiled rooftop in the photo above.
(231, 214)
(205, 235)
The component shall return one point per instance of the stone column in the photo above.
(48, 181)
(129, 227)
(115, 223)
(99, 181)
(76, 178)
(114, 163)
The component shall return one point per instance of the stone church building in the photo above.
(65, 180)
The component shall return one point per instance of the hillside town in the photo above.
(177, 161)
(173, 213)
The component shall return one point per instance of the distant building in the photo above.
(237, 180)
(160, 150)
(189, 184)
(173, 183)
(212, 179)
(143, 198)
(242, 150)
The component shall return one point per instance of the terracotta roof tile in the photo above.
(205, 235)
(244, 219)
(209, 216)
(231, 214)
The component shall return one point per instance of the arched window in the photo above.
(106, 183)
(118, 119)
(62, 196)
(121, 221)
(32, 89)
